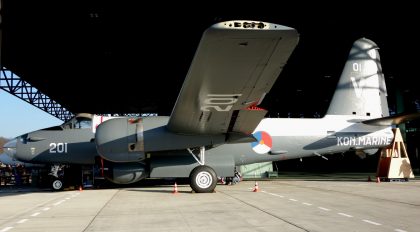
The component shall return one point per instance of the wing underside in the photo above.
(235, 65)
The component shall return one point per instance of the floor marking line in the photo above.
(291, 199)
(22, 221)
(317, 188)
(399, 230)
(35, 214)
(59, 202)
(345, 215)
(6, 229)
(273, 194)
(325, 209)
(266, 212)
(75, 195)
(308, 204)
(371, 222)
(46, 208)
(100, 211)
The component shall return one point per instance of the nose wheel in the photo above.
(57, 185)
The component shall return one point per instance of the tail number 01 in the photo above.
(58, 147)
(220, 102)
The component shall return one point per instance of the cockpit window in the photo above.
(78, 123)
(83, 123)
(68, 125)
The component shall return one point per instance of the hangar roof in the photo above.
(113, 57)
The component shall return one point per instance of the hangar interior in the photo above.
(108, 57)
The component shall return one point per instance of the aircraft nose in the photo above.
(10, 148)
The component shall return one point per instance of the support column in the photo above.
(401, 109)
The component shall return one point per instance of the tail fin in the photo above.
(361, 89)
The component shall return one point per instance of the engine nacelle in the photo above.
(121, 140)
(125, 173)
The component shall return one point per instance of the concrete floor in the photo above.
(292, 204)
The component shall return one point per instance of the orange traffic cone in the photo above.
(256, 189)
(175, 188)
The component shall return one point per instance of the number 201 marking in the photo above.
(58, 147)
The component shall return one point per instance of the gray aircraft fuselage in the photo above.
(291, 138)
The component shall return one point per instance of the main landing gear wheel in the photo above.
(57, 184)
(203, 179)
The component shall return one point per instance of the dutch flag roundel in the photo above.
(264, 142)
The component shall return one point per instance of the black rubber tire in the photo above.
(203, 179)
(57, 184)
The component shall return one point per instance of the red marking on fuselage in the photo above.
(102, 119)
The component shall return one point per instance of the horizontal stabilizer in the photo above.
(393, 120)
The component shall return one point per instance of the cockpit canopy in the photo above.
(80, 121)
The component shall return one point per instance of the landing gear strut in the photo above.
(200, 157)
(203, 179)
(57, 174)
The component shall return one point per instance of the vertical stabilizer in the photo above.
(361, 89)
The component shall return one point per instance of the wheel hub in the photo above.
(204, 180)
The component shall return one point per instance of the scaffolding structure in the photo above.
(12, 84)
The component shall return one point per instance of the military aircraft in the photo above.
(216, 123)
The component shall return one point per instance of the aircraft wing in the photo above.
(235, 65)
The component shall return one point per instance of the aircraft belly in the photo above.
(243, 154)
(181, 163)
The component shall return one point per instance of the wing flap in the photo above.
(248, 119)
(233, 68)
